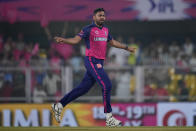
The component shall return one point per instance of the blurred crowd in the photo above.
(160, 83)
(20, 53)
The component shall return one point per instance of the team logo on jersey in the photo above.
(99, 66)
(96, 32)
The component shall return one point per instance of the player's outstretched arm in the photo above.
(117, 44)
(71, 41)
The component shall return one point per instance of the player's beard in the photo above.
(100, 23)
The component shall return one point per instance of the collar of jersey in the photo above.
(94, 25)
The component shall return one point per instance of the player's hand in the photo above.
(132, 49)
(58, 39)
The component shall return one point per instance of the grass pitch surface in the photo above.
(97, 129)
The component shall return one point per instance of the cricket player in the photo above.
(96, 36)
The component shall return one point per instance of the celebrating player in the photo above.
(96, 36)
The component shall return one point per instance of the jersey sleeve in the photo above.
(109, 37)
(83, 33)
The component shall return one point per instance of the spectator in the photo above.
(162, 94)
(40, 77)
(50, 83)
(182, 61)
(76, 62)
(188, 47)
(39, 95)
(8, 46)
(28, 51)
(149, 92)
(19, 47)
(8, 77)
(120, 55)
(174, 48)
(63, 50)
(164, 55)
(55, 62)
(172, 60)
(135, 58)
(123, 85)
(43, 58)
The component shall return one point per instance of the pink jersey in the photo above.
(96, 39)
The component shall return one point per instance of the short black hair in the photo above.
(98, 10)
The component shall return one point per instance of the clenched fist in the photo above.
(59, 39)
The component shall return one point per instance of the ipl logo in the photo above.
(174, 118)
(161, 9)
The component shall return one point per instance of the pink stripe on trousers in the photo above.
(104, 87)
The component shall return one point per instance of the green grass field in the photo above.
(97, 129)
